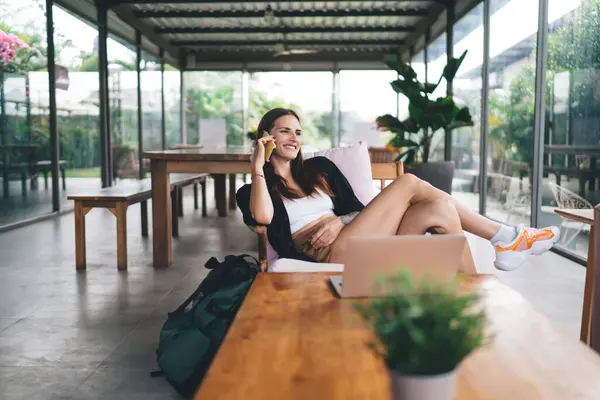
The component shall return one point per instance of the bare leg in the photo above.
(438, 215)
(384, 213)
(441, 217)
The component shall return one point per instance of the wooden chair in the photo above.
(381, 155)
(380, 171)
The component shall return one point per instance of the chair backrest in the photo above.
(386, 171)
(381, 155)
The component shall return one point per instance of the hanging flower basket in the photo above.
(11, 47)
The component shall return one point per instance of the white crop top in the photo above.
(303, 211)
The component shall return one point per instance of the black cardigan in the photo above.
(278, 231)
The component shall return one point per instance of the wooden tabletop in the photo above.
(202, 154)
(585, 215)
(294, 339)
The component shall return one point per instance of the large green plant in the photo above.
(424, 327)
(426, 116)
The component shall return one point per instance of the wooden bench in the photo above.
(45, 167)
(26, 170)
(118, 198)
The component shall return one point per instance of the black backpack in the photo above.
(193, 332)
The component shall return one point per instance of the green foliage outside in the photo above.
(574, 50)
(218, 97)
(413, 136)
(423, 327)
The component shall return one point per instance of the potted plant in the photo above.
(423, 330)
(413, 136)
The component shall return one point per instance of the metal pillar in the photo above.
(105, 139)
(336, 112)
(182, 108)
(539, 112)
(485, 88)
(54, 145)
(163, 125)
(138, 63)
(450, 16)
(425, 51)
(245, 105)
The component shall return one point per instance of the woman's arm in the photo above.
(346, 219)
(261, 205)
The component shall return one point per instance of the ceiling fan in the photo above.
(284, 50)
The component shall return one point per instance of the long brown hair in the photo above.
(307, 177)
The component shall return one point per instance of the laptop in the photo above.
(367, 258)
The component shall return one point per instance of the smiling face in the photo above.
(287, 132)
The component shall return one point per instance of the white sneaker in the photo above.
(529, 241)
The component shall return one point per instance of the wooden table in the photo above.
(585, 216)
(293, 339)
(217, 161)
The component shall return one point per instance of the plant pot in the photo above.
(439, 174)
(422, 387)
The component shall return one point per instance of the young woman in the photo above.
(310, 210)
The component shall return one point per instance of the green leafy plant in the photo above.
(426, 116)
(425, 327)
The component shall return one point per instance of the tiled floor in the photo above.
(93, 334)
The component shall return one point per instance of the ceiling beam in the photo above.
(190, 13)
(237, 43)
(117, 2)
(423, 25)
(127, 16)
(275, 29)
(266, 56)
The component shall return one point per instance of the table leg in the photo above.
(232, 205)
(144, 212)
(121, 214)
(79, 236)
(221, 194)
(180, 200)
(588, 292)
(161, 214)
(195, 195)
(5, 175)
(204, 211)
(175, 212)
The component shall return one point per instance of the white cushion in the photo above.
(291, 265)
(355, 163)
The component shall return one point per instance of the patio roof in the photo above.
(215, 34)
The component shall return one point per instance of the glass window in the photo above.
(366, 95)
(24, 133)
(307, 93)
(572, 137)
(151, 103)
(436, 61)
(511, 105)
(77, 100)
(214, 108)
(418, 64)
(172, 105)
(123, 105)
(468, 35)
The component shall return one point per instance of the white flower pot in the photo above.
(423, 387)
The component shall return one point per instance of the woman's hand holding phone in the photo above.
(262, 152)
